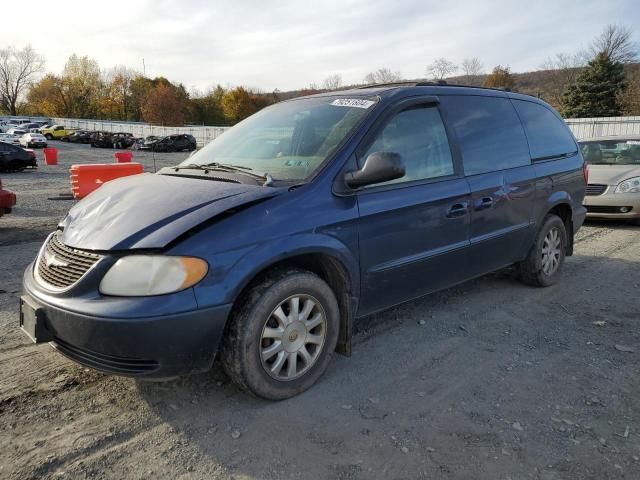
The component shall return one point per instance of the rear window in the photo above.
(548, 135)
(489, 132)
(611, 152)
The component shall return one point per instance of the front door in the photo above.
(413, 231)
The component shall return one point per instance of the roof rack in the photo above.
(437, 83)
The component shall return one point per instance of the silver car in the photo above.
(613, 190)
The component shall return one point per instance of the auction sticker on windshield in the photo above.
(352, 102)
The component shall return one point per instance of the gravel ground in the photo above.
(488, 380)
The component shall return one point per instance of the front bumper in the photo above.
(154, 347)
(608, 205)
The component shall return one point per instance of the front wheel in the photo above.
(48, 136)
(282, 336)
(543, 264)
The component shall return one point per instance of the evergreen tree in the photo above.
(596, 92)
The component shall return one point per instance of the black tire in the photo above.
(48, 136)
(531, 268)
(243, 342)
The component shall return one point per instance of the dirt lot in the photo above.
(491, 380)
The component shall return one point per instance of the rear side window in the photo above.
(489, 131)
(548, 135)
(418, 135)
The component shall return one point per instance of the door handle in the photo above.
(484, 203)
(458, 210)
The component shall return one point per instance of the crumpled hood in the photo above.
(149, 210)
(612, 174)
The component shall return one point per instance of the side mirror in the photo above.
(378, 167)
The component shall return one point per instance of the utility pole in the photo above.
(144, 68)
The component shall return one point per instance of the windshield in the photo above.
(290, 140)
(611, 152)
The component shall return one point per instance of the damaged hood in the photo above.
(149, 210)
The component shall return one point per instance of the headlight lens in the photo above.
(630, 185)
(143, 275)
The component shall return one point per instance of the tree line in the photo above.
(84, 90)
(602, 80)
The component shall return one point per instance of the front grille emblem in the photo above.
(51, 260)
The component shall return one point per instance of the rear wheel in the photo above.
(545, 260)
(282, 337)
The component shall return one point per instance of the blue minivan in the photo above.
(264, 246)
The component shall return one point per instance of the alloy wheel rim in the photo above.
(551, 249)
(293, 337)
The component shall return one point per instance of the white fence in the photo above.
(203, 135)
(598, 127)
(581, 127)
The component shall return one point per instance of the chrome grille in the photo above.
(61, 266)
(594, 189)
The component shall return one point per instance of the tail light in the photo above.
(585, 172)
(31, 153)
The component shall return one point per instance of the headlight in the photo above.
(142, 275)
(630, 185)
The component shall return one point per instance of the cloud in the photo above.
(286, 44)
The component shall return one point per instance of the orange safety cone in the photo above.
(123, 157)
(50, 156)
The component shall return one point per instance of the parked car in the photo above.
(5, 125)
(29, 140)
(17, 131)
(31, 127)
(15, 159)
(269, 241)
(10, 138)
(81, 136)
(614, 177)
(171, 143)
(56, 132)
(7, 200)
(112, 140)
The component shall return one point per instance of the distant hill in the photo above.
(546, 84)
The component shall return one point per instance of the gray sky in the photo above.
(289, 44)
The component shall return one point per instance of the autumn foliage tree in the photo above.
(163, 107)
(500, 77)
(239, 103)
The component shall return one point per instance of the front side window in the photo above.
(419, 136)
(548, 135)
(489, 131)
(289, 140)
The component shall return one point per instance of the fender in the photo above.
(555, 199)
(234, 277)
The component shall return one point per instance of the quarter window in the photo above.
(419, 136)
(548, 135)
(489, 131)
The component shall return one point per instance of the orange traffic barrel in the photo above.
(87, 178)
(123, 157)
(50, 156)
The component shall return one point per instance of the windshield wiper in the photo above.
(222, 167)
